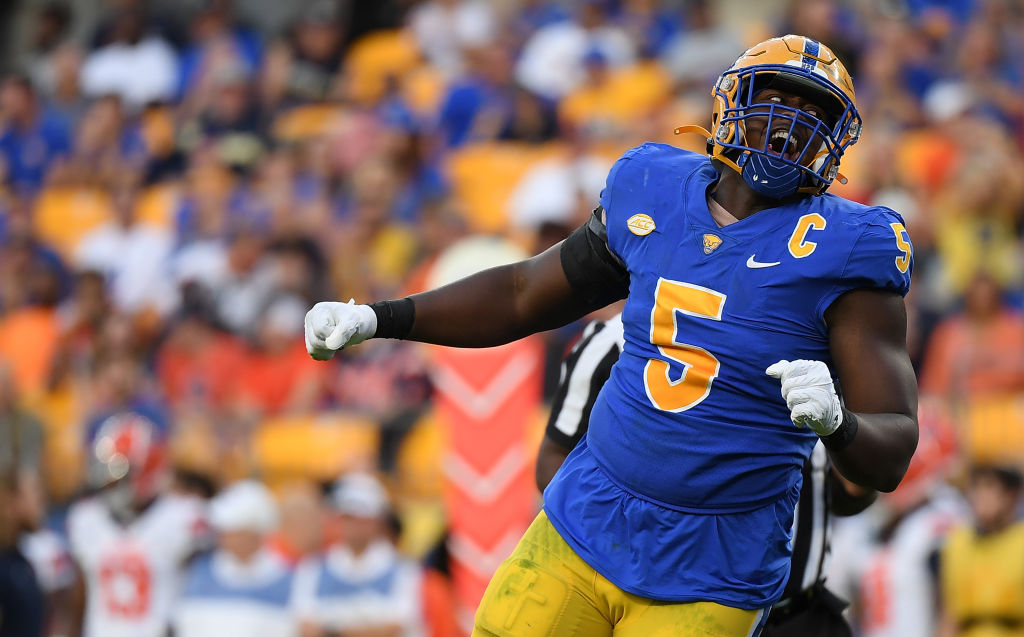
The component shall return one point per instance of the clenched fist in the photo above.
(331, 326)
(810, 395)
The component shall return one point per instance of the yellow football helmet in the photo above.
(800, 152)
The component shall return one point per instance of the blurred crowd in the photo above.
(178, 185)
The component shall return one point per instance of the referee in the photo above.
(807, 608)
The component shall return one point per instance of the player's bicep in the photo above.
(867, 339)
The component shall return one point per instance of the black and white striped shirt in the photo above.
(585, 371)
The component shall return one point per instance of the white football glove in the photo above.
(331, 326)
(810, 395)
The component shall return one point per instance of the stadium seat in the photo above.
(65, 214)
(157, 204)
(306, 122)
(319, 447)
(484, 175)
(993, 429)
(375, 58)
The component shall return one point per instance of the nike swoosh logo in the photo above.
(758, 264)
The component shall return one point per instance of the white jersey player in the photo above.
(885, 560)
(128, 541)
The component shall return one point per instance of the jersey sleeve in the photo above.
(618, 187)
(882, 258)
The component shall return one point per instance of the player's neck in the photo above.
(733, 194)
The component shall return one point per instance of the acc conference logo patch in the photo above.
(640, 224)
(711, 243)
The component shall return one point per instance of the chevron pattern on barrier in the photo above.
(486, 398)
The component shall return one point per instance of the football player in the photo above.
(748, 290)
(807, 607)
(887, 561)
(130, 540)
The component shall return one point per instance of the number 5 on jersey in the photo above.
(700, 367)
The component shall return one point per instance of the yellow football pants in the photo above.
(545, 589)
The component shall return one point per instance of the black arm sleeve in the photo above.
(595, 274)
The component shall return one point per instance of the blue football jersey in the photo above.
(685, 485)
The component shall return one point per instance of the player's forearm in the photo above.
(498, 305)
(879, 453)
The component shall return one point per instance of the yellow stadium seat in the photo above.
(318, 447)
(65, 214)
(306, 122)
(423, 89)
(993, 429)
(484, 175)
(157, 204)
(627, 94)
(376, 57)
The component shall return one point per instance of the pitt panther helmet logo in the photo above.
(711, 243)
(640, 224)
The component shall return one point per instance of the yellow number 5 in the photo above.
(700, 367)
(903, 243)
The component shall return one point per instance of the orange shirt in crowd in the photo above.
(967, 359)
(28, 342)
(276, 382)
(207, 373)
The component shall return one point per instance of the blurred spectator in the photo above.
(277, 375)
(21, 433)
(241, 588)
(229, 120)
(199, 362)
(132, 62)
(218, 43)
(697, 56)
(651, 24)
(486, 103)
(982, 563)
(64, 95)
(132, 255)
(361, 583)
(105, 149)
(29, 329)
(50, 33)
(81, 319)
(300, 534)
(131, 538)
(979, 352)
(31, 139)
(552, 60)
(245, 285)
(443, 28)
(977, 209)
(304, 67)
(22, 601)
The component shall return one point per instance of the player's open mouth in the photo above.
(782, 143)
